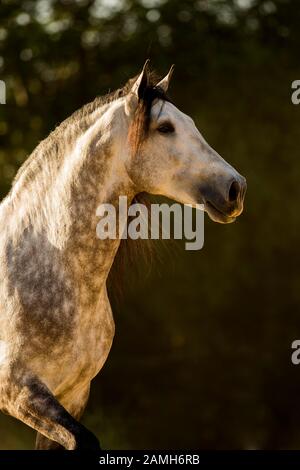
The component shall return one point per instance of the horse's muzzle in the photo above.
(224, 202)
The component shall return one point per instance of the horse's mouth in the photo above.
(216, 215)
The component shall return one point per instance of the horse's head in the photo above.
(170, 157)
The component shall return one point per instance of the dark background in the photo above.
(202, 353)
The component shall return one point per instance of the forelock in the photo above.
(142, 118)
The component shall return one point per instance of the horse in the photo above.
(56, 322)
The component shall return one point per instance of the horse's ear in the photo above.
(165, 82)
(137, 89)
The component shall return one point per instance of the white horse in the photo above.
(56, 323)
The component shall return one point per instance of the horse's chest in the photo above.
(95, 340)
(86, 353)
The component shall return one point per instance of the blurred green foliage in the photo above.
(202, 351)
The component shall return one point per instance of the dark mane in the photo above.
(150, 93)
(131, 250)
(140, 125)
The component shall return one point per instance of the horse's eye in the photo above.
(166, 128)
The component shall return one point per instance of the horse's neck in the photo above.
(94, 175)
(91, 174)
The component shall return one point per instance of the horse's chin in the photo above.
(218, 216)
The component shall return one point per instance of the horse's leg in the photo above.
(43, 443)
(30, 401)
(75, 406)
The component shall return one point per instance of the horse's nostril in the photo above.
(234, 191)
